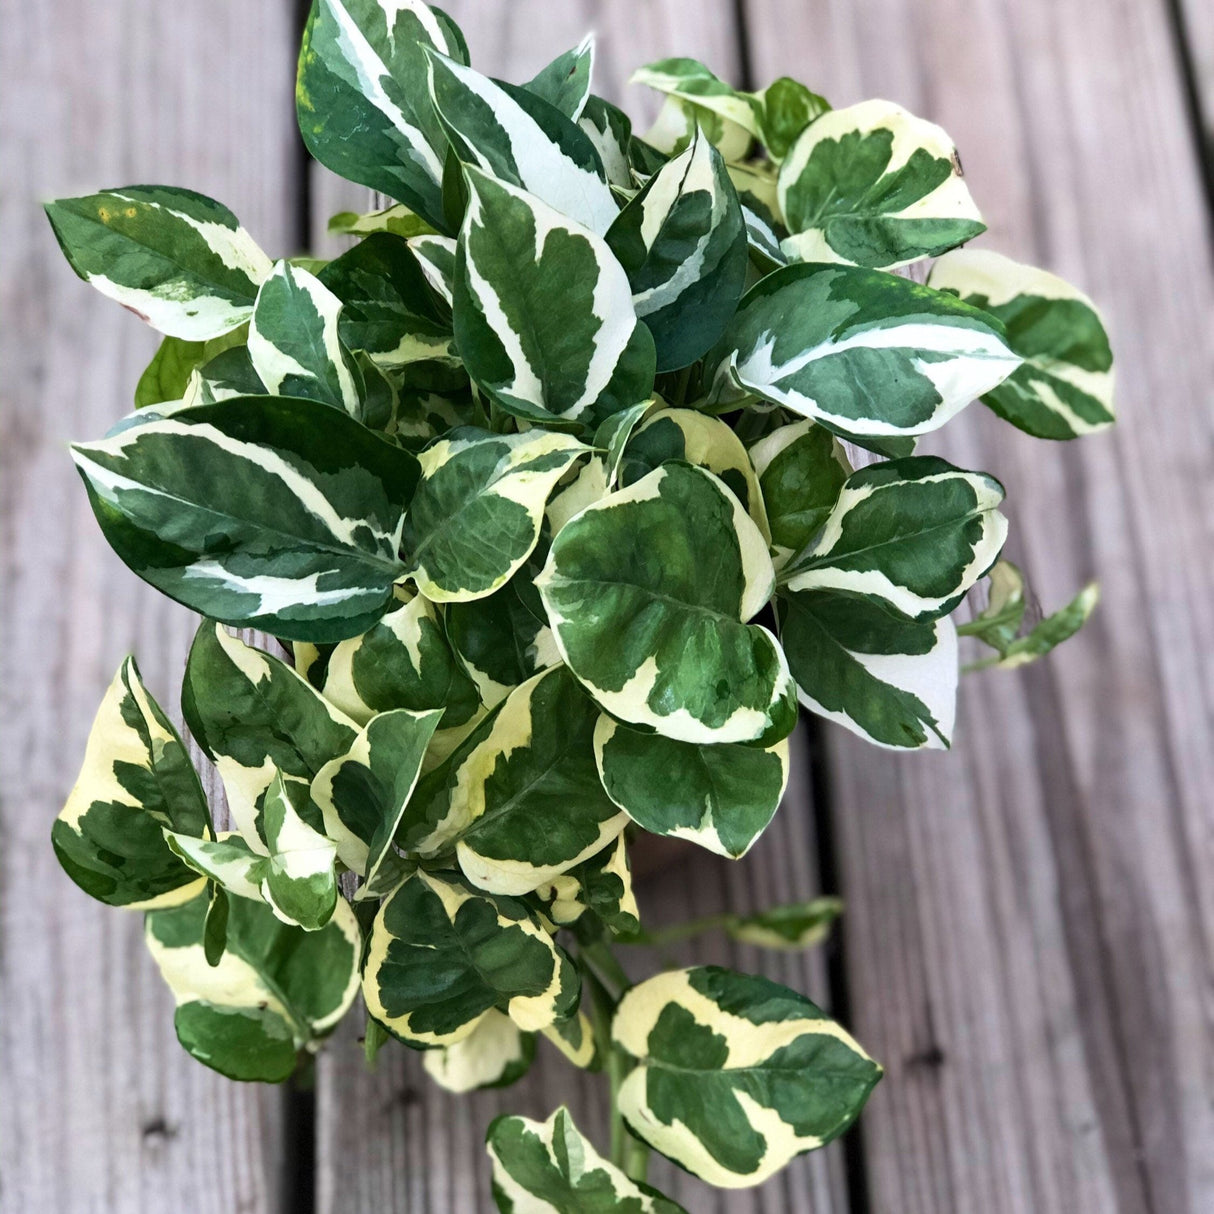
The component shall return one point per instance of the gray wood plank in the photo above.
(1195, 26)
(1029, 926)
(104, 1111)
(391, 1139)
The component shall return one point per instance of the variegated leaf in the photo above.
(388, 308)
(890, 680)
(500, 642)
(565, 82)
(293, 340)
(613, 435)
(697, 438)
(610, 130)
(548, 1167)
(735, 1075)
(442, 955)
(229, 373)
(494, 1055)
(584, 485)
(258, 511)
(137, 779)
(436, 258)
(721, 797)
(254, 716)
(287, 865)
(477, 512)
(363, 793)
(167, 376)
(801, 470)
(682, 242)
(865, 353)
(601, 885)
(574, 1038)
(275, 990)
(1064, 388)
(402, 661)
(690, 81)
(872, 185)
(788, 108)
(912, 534)
(397, 219)
(796, 926)
(519, 139)
(998, 624)
(543, 311)
(528, 797)
(362, 96)
(648, 593)
(178, 260)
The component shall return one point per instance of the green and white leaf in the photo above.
(720, 796)
(436, 258)
(362, 96)
(528, 797)
(736, 1075)
(397, 219)
(610, 131)
(258, 511)
(167, 377)
(522, 141)
(892, 681)
(401, 661)
(613, 435)
(388, 308)
(873, 185)
(294, 344)
(565, 82)
(796, 926)
(549, 1167)
(494, 1055)
(863, 352)
(682, 242)
(587, 486)
(801, 470)
(696, 438)
(478, 508)
(998, 624)
(229, 373)
(913, 534)
(274, 991)
(363, 793)
(574, 1038)
(1064, 388)
(690, 81)
(788, 108)
(177, 259)
(648, 593)
(543, 311)
(602, 885)
(442, 955)
(255, 717)
(288, 865)
(500, 642)
(136, 780)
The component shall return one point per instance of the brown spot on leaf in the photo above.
(147, 320)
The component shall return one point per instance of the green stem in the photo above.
(680, 387)
(603, 962)
(680, 931)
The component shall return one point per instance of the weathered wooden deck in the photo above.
(1030, 919)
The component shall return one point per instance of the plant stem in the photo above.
(680, 931)
(680, 388)
(603, 962)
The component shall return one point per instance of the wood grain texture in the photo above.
(1030, 917)
(1195, 31)
(103, 1111)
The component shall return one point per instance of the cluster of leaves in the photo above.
(544, 489)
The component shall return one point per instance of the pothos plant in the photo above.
(554, 493)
